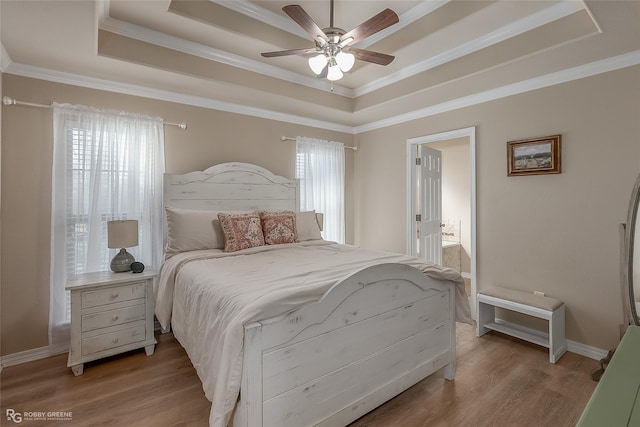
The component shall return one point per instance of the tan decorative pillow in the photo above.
(279, 227)
(307, 226)
(241, 231)
(191, 230)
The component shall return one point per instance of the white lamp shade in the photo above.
(345, 60)
(334, 73)
(122, 233)
(317, 63)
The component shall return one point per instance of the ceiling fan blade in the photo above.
(371, 56)
(288, 52)
(302, 18)
(371, 26)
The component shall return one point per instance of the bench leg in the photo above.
(486, 314)
(557, 340)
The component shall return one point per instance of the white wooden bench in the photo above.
(550, 309)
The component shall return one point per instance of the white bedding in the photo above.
(208, 296)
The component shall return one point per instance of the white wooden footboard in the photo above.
(367, 339)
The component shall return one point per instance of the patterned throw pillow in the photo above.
(241, 231)
(279, 227)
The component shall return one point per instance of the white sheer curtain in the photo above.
(320, 169)
(106, 165)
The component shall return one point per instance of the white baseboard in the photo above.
(31, 355)
(586, 350)
(572, 346)
(42, 352)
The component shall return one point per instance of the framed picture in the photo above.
(534, 156)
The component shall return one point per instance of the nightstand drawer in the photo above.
(113, 339)
(111, 295)
(107, 318)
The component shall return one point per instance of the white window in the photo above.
(320, 170)
(107, 165)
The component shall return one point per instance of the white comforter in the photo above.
(208, 297)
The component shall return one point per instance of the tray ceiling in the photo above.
(208, 52)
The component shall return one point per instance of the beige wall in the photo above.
(212, 137)
(553, 233)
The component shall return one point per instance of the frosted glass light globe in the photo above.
(334, 73)
(345, 60)
(317, 63)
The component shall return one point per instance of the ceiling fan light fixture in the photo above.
(317, 63)
(345, 60)
(333, 55)
(334, 73)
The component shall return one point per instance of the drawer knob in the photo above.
(114, 295)
(114, 318)
(115, 340)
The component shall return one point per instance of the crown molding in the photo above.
(420, 10)
(268, 17)
(102, 10)
(575, 73)
(591, 15)
(570, 74)
(137, 32)
(157, 38)
(543, 17)
(162, 95)
(259, 13)
(5, 60)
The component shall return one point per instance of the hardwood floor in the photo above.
(126, 390)
(499, 382)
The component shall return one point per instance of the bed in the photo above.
(300, 333)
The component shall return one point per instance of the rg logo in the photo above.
(14, 416)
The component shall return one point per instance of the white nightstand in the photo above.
(110, 313)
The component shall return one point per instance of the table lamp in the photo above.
(122, 234)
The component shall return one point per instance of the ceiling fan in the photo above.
(334, 54)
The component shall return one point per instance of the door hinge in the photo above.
(418, 161)
(418, 218)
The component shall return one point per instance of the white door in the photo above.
(429, 206)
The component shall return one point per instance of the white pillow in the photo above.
(192, 230)
(307, 226)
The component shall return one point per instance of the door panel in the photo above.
(430, 204)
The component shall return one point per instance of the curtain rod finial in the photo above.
(8, 101)
(182, 125)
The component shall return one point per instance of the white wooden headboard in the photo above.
(231, 187)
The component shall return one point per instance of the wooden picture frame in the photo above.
(535, 156)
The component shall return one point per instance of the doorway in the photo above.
(460, 225)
